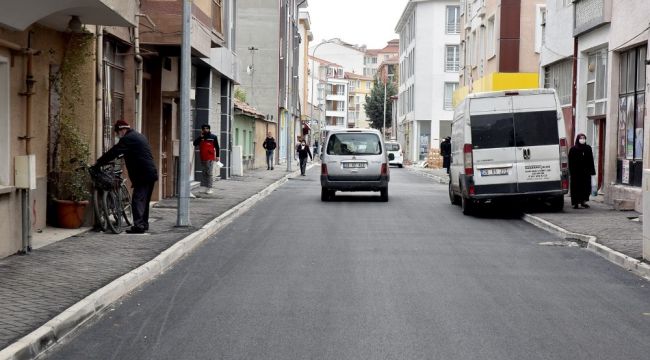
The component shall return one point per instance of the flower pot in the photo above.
(70, 214)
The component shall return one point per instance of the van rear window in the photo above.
(392, 147)
(492, 131)
(536, 128)
(354, 144)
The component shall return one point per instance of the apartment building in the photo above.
(499, 45)
(429, 38)
(359, 86)
(331, 90)
(374, 57)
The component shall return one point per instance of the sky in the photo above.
(370, 22)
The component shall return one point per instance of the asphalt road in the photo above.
(295, 278)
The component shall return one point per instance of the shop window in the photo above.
(5, 159)
(631, 116)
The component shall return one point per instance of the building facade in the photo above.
(428, 74)
(359, 86)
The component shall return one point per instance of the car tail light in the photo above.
(472, 190)
(564, 157)
(323, 169)
(467, 157)
(565, 184)
(384, 169)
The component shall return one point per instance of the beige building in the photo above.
(498, 48)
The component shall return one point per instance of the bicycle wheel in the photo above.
(98, 210)
(113, 212)
(125, 198)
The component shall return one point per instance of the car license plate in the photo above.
(354, 165)
(494, 172)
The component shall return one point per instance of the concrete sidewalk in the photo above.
(613, 234)
(39, 287)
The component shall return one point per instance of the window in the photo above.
(536, 128)
(490, 38)
(453, 20)
(597, 83)
(631, 103)
(217, 15)
(452, 58)
(559, 77)
(450, 87)
(113, 88)
(492, 131)
(354, 144)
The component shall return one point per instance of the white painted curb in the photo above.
(628, 263)
(39, 340)
(439, 179)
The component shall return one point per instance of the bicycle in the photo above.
(107, 204)
(125, 198)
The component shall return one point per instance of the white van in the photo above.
(508, 145)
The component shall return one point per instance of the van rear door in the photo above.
(537, 140)
(493, 145)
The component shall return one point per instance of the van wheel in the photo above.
(452, 197)
(400, 166)
(557, 203)
(467, 205)
(325, 194)
(383, 193)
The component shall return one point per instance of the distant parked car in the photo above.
(354, 160)
(395, 154)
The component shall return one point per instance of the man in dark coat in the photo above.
(445, 151)
(303, 151)
(581, 168)
(142, 171)
(209, 153)
(270, 145)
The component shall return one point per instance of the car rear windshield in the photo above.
(354, 144)
(518, 129)
(392, 147)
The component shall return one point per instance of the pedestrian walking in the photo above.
(445, 151)
(581, 168)
(315, 147)
(270, 145)
(303, 151)
(208, 144)
(142, 171)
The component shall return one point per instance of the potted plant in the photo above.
(68, 181)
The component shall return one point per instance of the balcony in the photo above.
(19, 15)
(590, 14)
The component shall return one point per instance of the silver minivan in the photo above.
(354, 160)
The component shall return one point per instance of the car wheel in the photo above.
(467, 205)
(557, 203)
(383, 193)
(452, 197)
(324, 194)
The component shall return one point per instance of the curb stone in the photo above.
(633, 265)
(35, 343)
(437, 178)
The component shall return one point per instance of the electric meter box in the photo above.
(25, 175)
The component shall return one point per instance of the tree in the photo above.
(374, 105)
(240, 94)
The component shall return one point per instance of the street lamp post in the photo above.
(313, 68)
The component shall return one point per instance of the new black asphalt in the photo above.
(355, 278)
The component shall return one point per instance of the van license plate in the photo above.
(494, 172)
(354, 165)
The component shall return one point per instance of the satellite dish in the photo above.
(249, 69)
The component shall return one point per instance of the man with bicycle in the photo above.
(141, 168)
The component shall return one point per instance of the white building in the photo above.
(429, 33)
(330, 91)
(349, 56)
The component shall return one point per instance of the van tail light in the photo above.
(384, 169)
(565, 184)
(472, 190)
(564, 157)
(468, 160)
(323, 169)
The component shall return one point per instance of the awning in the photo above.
(20, 14)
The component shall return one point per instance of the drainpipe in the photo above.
(574, 90)
(138, 74)
(99, 93)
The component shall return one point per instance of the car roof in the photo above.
(354, 130)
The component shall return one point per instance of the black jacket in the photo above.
(269, 144)
(303, 152)
(445, 148)
(137, 156)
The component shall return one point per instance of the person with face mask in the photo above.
(303, 151)
(141, 168)
(581, 168)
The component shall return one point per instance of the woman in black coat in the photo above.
(581, 168)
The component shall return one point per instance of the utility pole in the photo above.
(251, 72)
(183, 216)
